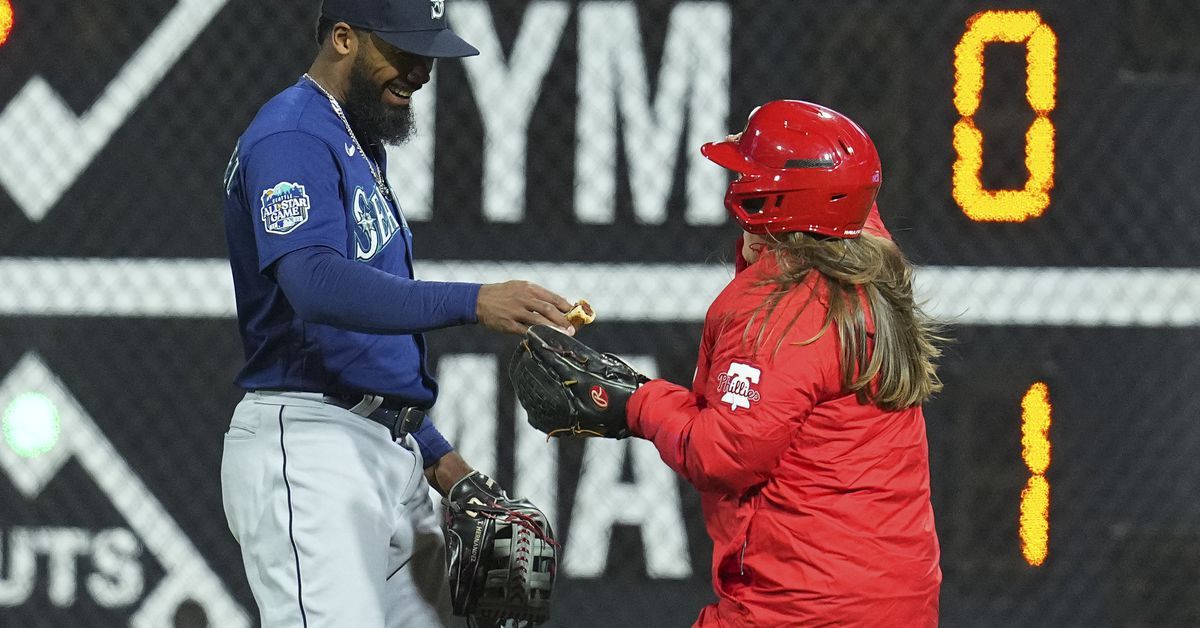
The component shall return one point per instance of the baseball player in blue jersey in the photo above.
(328, 459)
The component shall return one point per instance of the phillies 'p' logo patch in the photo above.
(738, 385)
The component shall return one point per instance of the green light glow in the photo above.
(30, 424)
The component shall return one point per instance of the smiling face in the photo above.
(379, 96)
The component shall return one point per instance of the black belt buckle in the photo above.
(408, 420)
(399, 420)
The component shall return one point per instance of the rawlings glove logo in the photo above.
(599, 397)
(738, 385)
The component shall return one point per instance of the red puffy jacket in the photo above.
(818, 506)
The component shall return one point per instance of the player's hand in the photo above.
(514, 306)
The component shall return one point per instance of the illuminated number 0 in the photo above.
(1041, 49)
(1034, 528)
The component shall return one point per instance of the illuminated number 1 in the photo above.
(1034, 526)
(1041, 50)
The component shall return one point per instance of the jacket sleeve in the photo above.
(729, 433)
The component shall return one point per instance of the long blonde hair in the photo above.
(900, 371)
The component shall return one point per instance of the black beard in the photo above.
(371, 119)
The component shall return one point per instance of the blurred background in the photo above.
(1039, 166)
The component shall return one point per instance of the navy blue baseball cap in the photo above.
(415, 26)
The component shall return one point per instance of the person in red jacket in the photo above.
(803, 428)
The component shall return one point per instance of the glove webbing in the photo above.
(494, 512)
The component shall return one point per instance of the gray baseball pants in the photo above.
(333, 517)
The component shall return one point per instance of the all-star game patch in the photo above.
(284, 207)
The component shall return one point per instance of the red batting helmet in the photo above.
(802, 167)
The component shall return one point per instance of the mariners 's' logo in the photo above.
(437, 8)
(375, 224)
(284, 207)
(738, 385)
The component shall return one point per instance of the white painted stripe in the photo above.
(1084, 297)
(115, 287)
(202, 288)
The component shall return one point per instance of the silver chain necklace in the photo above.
(337, 108)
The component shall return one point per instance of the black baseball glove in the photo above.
(569, 387)
(500, 553)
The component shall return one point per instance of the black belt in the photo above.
(400, 420)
